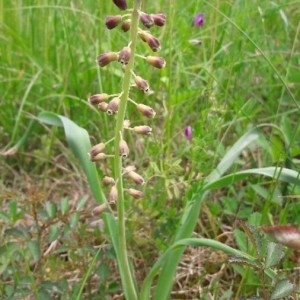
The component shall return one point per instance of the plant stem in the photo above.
(126, 274)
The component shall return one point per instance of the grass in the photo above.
(245, 73)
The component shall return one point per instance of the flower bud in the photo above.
(99, 209)
(123, 148)
(142, 84)
(146, 111)
(155, 61)
(113, 194)
(125, 26)
(108, 180)
(98, 157)
(113, 105)
(158, 19)
(129, 169)
(143, 129)
(152, 41)
(122, 4)
(138, 179)
(105, 58)
(135, 193)
(103, 106)
(146, 20)
(126, 123)
(124, 55)
(95, 150)
(98, 98)
(113, 21)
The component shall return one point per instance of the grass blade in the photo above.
(79, 142)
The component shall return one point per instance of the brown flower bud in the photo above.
(125, 26)
(98, 98)
(155, 61)
(138, 179)
(113, 194)
(158, 19)
(122, 4)
(152, 41)
(98, 157)
(108, 180)
(146, 111)
(135, 193)
(103, 106)
(123, 148)
(146, 20)
(99, 209)
(113, 105)
(105, 58)
(143, 129)
(95, 150)
(113, 21)
(124, 55)
(142, 84)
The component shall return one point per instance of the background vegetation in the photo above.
(238, 71)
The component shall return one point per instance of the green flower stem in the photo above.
(126, 274)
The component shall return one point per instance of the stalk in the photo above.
(126, 274)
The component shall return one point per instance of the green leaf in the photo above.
(232, 155)
(54, 232)
(81, 203)
(64, 205)
(274, 254)
(281, 174)
(79, 142)
(51, 209)
(74, 219)
(34, 249)
(282, 289)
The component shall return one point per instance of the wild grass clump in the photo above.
(179, 178)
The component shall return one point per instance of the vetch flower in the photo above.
(199, 20)
(188, 132)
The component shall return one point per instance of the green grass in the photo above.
(245, 73)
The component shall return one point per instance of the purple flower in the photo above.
(188, 132)
(199, 20)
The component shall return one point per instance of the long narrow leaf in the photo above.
(281, 174)
(79, 142)
(181, 244)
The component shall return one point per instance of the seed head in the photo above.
(113, 106)
(142, 84)
(156, 61)
(108, 180)
(124, 55)
(105, 58)
(98, 98)
(159, 19)
(137, 178)
(123, 148)
(113, 194)
(113, 21)
(103, 106)
(125, 26)
(135, 193)
(143, 129)
(122, 4)
(146, 20)
(146, 111)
